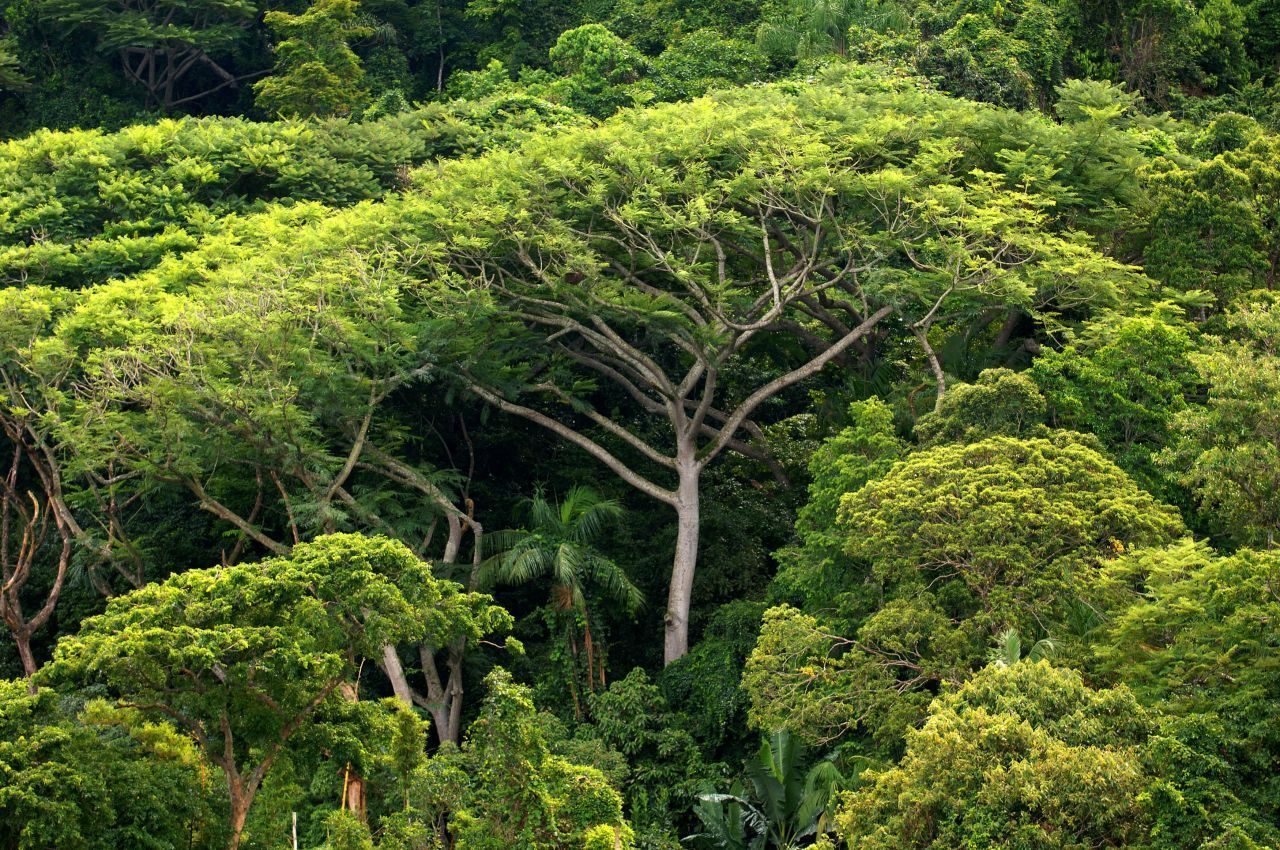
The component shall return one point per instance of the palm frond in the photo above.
(519, 565)
(566, 569)
(585, 514)
(819, 783)
(498, 542)
(487, 572)
(543, 515)
(1042, 650)
(1008, 649)
(614, 583)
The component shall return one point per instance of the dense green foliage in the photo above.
(1028, 755)
(87, 206)
(639, 424)
(76, 774)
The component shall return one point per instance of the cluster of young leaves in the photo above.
(1000, 402)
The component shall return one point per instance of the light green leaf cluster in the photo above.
(516, 794)
(955, 544)
(1020, 756)
(84, 206)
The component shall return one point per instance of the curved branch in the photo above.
(591, 447)
(782, 382)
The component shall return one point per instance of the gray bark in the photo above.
(684, 564)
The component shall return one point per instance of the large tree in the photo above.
(698, 261)
(264, 398)
(953, 546)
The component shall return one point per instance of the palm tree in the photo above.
(558, 544)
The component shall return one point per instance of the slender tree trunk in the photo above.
(688, 525)
(573, 668)
(589, 662)
(24, 653)
(353, 787)
(589, 644)
(935, 365)
(440, 51)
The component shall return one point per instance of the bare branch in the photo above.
(782, 382)
(585, 443)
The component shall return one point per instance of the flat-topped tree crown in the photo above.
(698, 260)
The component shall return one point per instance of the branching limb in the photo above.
(599, 452)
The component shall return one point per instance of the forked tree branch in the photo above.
(780, 383)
